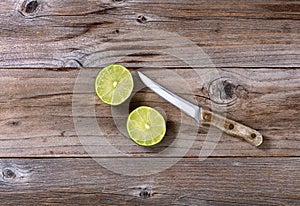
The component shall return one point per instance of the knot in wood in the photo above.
(13, 123)
(229, 89)
(144, 191)
(223, 91)
(145, 194)
(141, 19)
(29, 8)
(8, 173)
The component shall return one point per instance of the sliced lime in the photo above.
(114, 84)
(146, 126)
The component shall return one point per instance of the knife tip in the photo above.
(141, 75)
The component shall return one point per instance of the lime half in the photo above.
(146, 126)
(114, 84)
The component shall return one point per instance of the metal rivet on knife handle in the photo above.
(231, 127)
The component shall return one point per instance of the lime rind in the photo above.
(114, 84)
(146, 126)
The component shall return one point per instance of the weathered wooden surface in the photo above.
(253, 43)
(234, 33)
(220, 181)
(37, 119)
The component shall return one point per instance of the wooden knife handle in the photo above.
(231, 127)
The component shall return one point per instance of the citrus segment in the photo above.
(114, 84)
(146, 126)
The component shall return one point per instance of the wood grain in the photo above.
(64, 33)
(50, 52)
(37, 118)
(215, 181)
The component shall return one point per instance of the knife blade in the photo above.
(203, 116)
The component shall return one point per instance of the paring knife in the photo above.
(203, 116)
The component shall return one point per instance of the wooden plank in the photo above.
(37, 115)
(215, 181)
(64, 33)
